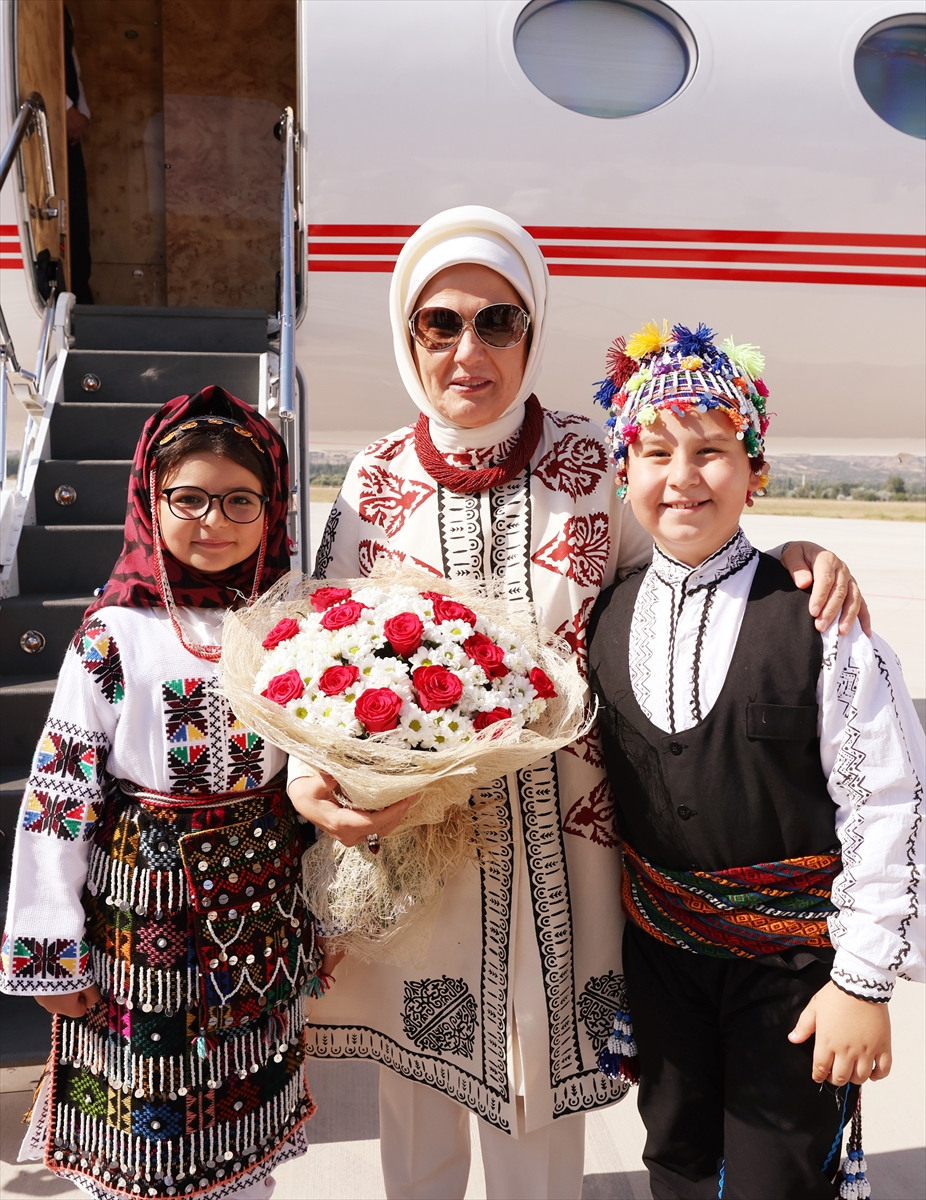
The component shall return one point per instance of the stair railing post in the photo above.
(287, 319)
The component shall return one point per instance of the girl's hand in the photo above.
(853, 1037)
(71, 1004)
(835, 592)
(313, 798)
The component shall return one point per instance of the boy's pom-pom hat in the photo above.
(684, 371)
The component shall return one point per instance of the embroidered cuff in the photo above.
(861, 979)
(44, 987)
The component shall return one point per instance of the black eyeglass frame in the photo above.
(525, 317)
(210, 496)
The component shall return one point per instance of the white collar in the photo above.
(727, 561)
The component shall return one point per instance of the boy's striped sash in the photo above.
(742, 912)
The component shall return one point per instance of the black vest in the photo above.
(745, 785)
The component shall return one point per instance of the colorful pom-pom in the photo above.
(698, 343)
(618, 363)
(647, 415)
(691, 362)
(647, 340)
(606, 392)
(747, 358)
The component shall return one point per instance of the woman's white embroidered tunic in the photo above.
(517, 993)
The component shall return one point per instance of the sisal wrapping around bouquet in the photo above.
(384, 905)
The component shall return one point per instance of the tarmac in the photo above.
(889, 560)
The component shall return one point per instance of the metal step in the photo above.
(24, 704)
(81, 491)
(88, 430)
(67, 558)
(146, 376)
(55, 618)
(219, 330)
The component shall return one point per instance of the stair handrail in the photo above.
(288, 391)
(32, 117)
(38, 393)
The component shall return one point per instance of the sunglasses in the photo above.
(500, 326)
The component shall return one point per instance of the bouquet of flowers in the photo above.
(397, 687)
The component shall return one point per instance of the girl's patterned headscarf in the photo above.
(685, 372)
(133, 583)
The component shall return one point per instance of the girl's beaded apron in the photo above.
(189, 1072)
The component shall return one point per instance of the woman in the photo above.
(508, 1011)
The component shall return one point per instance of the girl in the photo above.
(156, 905)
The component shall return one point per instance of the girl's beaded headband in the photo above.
(685, 372)
(197, 422)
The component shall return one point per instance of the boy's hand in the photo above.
(71, 1004)
(835, 591)
(853, 1037)
(313, 798)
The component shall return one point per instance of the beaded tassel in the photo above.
(619, 1057)
(855, 1185)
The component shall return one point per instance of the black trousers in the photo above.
(79, 225)
(729, 1104)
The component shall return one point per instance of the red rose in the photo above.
(484, 653)
(378, 709)
(283, 688)
(338, 679)
(282, 632)
(542, 683)
(343, 615)
(437, 687)
(404, 633)
(323, 598)
(449, 610)
(484, 719)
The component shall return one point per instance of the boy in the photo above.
(769, 789)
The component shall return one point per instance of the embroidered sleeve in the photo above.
(44, 950)
(872, 750)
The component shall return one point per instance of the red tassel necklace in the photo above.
(466, 481)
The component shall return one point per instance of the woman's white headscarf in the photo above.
(470, 234)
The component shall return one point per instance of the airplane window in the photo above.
(890, 66)
(604, 58)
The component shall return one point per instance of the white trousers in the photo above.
(425, 1147)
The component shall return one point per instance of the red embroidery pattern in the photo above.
(573, 632)
(388, 448)
(592, 817)
(387, 500)
(575, 465)
(588, 748)
(580, 551)
(563, 419)
(368, 552)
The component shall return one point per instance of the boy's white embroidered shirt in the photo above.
(133, 704)
(684, 630)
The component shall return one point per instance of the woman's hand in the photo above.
(834, 588)
(330, 958)
(71, 1004)
(313, 798)
(853, 1037)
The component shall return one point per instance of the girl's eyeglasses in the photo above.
(192, 504)
(497, 325)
